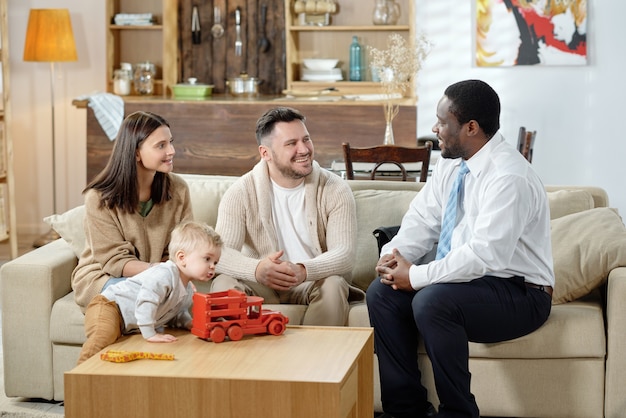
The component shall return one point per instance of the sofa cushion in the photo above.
(67, 321)
(69, 226)
(369, 206)
(565, 202)
(573, 330)
(586, 246)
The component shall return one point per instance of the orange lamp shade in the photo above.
(49, 36)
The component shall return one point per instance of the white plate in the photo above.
(333, 72)
(312, 77)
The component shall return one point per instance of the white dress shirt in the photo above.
(503, 228)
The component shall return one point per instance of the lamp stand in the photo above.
(51, 235)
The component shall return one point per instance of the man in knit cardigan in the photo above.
(289, 226)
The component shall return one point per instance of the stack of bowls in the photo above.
(319, 69)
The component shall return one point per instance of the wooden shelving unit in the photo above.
(333, 41)
(157, 43)
(8, 227)
(163, 44)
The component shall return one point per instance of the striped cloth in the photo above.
(109, 111)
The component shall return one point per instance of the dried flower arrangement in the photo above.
(398, 66)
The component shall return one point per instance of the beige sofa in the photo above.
(558, 371)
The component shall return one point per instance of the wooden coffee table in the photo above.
(305, 372)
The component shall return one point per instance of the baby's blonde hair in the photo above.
(189, 234)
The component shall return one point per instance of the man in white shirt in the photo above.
(492, 279)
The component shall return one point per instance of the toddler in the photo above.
(156, 297)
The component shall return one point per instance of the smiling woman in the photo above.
(131, 207)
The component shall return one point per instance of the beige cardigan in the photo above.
(113, 238)
(245, 223)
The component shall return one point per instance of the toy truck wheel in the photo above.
(276, 327)
(217, 334)
(235, 333)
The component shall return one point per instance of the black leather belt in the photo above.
(547, 289)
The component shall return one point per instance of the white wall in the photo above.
(31, 106)
(576, 110)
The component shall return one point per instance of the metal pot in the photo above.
(244, 85)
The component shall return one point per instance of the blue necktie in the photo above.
(449, 216)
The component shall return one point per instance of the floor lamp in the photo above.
(49, 38)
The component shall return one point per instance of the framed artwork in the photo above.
(531, 32)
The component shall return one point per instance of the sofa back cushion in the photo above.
(565, 202)
(586, 246)
(69, 225)
(375, 208)
(378, 203)
(206, 193)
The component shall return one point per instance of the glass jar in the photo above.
(121, 81)
(144, 78)
(386, 12)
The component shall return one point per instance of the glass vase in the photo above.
(388, 134)
(386, 12)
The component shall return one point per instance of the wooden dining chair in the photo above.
(387, 154)
(526, 143)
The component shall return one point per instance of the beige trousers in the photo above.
(103, 326)
(327, 298)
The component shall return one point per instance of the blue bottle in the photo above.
(355, 60)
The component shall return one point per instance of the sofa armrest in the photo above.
(29, 286)
(615, 402)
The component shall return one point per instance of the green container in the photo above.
(192, 90)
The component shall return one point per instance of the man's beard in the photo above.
(454, 150)
(288, 172)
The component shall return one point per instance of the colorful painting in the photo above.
(531, 32)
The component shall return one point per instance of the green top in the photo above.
(145, 208)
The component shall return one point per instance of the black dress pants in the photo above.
(446, 316)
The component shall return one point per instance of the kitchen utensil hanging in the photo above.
(196, 35)
(238, 42)
(264, 43)
(218, 29)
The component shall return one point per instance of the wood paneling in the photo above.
(217, 137)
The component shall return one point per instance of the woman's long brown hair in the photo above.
(118, 182)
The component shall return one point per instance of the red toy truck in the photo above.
(235, 314)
